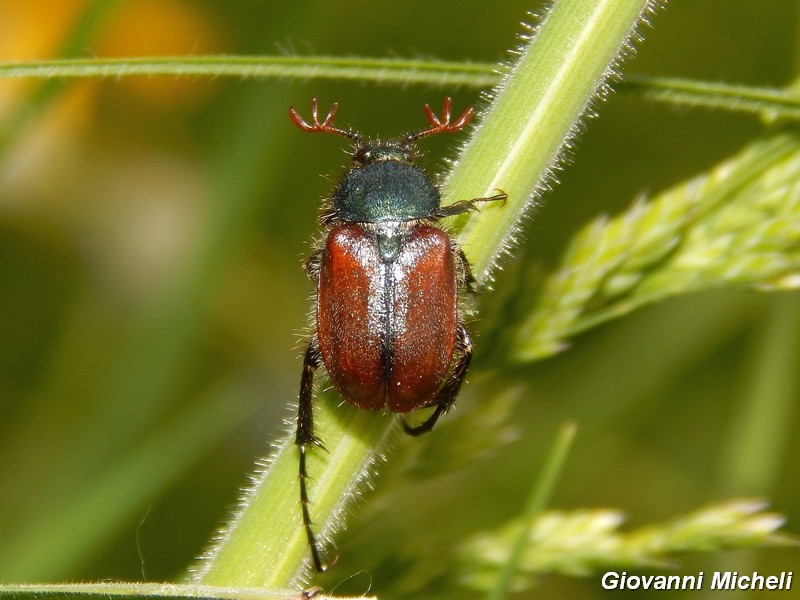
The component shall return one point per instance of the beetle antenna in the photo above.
(326, 126)
(440, 125)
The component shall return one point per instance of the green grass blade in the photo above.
(156, 591)
(719, 96)
(539, 498)
(373, 70)
(766, 408)
(265, 544)
(403, 71)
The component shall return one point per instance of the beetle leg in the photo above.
(304, 438)
(425, 426)
(311, 592)
(446, 396)
(312, 265)
(465, 277)
(463, 206)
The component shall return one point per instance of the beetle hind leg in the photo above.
(446, 396)
(304, 439)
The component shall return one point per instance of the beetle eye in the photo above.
(362, 155)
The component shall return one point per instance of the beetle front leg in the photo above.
(304, 438)
(463, 206)
(446, 397)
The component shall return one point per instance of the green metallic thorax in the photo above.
(385, 187)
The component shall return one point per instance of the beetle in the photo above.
(388, 327)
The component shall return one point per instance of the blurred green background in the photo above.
(152, 300)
